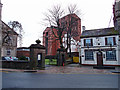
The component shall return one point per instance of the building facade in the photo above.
(8, 39)
(50, 41)
(116, 12)
(71, 25)
(100, 47)
(0, 29)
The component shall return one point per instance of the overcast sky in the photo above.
(30, 13)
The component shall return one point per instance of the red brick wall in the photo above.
(75, 26)
(53, 44)
(23, 53)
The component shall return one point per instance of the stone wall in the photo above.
(15, 64)
(33, 58)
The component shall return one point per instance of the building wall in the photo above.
(0, 37)
(116, 12)
(9, 41)
(4, 29)
(74, 47)
(72, 22)
(0, 29)
(100, 47)
(50, 39)
(119, 50)
(12, 51)
(23, 53)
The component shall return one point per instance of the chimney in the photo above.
(83, 28)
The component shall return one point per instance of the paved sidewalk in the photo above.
(69, 69)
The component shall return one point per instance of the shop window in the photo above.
(89, 55)
(111, 55)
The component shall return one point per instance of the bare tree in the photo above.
(53, 17)
(72, 9)
(16, 26)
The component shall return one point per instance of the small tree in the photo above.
(16, 26)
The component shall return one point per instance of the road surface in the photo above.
(38, 80)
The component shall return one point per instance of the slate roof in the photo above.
(99, 32)
(15, 33)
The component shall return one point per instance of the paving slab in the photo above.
(69, 69)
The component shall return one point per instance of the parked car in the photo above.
(13, 58)
(28, 58)
(9, 58)
(6, 58)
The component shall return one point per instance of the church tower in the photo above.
(116, 12)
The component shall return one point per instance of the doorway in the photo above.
(99, 59)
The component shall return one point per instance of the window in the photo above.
(8, 52)
(39, 57)
(46, 45)
(111, 55)
(88, 42)
(110, 41)
(46, 33)
(89, 55)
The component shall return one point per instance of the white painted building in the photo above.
(73, 43)
(100, 47)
